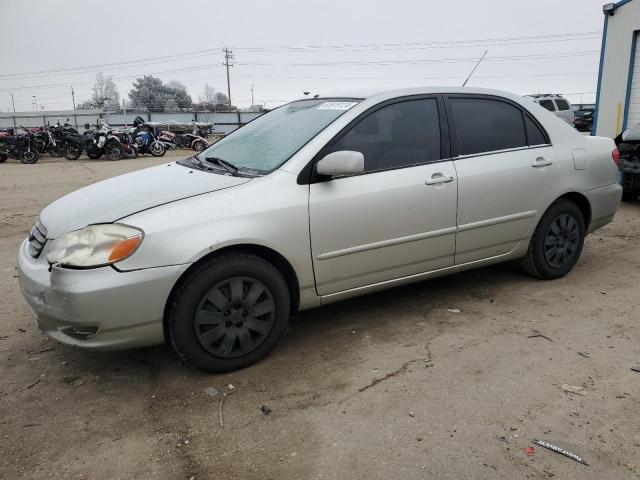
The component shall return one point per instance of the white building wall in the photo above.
(615, 68)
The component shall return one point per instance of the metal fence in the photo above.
(223, 122)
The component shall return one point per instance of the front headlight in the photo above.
(95, 245)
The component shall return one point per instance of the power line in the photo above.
(310, 48)
(428, 60)
(330, 64)
(433, 44)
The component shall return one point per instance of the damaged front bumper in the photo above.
(98, 308)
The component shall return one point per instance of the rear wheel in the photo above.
(556, 243)
(56, 151)
(229, 312)
(114, 151)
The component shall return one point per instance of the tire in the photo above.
(3, 158)
(30, 156)
(114, 151)
(131, 152)
(199, 145)
(93, 152)
(39, 146)
(72, 153)
(223, 351)
(557, 242)
(56, 151)
(157, 149)
(630, 195)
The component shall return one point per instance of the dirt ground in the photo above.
(444, 379)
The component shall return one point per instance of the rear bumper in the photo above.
(604, 203)
(125, 309)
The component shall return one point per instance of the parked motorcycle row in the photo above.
(103, 140)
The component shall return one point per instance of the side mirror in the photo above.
(344, 162)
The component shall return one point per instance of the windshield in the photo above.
(271, 139)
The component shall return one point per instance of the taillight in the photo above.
(616, 157)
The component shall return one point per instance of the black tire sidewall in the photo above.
(193, 287)
(542, 265)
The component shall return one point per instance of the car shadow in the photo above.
(332, 324)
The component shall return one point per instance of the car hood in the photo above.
(121, 196)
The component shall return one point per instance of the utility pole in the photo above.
(73, 97)
(35, 103)
(15, 127)
(228, 57)
(252, 95)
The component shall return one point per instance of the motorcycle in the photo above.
(145, 138)
(95, 143)
(20, 147)
(129, 146)
(193, 140)
(45, 142)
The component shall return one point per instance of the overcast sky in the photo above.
(285, 47)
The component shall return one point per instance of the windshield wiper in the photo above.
(228, 166)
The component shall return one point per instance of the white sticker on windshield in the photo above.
(336, 105)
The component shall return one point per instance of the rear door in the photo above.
(505, 167)
(396, 219)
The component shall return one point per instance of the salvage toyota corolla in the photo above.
(316, 201)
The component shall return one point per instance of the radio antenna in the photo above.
(474, 68)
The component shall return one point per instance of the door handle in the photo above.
(542, 162)
(438, 178)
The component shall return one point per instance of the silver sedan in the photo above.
(316, 201)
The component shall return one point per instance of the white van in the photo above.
(556, 104)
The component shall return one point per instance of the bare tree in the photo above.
(105, 93)
(208, 96)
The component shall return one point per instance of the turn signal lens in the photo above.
(122, 250)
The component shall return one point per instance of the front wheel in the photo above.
(199, 145)
(157, 149)
(229, 312)
(556, 243)
(71, 152)
(30, 156)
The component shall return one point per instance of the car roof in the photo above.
(370, 93)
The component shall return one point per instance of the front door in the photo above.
(399, 217)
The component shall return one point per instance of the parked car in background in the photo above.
(316, 201)
(629, 145)
(583, 119)
(557, 104)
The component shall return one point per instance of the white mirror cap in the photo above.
(344, 162)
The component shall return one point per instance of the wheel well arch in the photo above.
(266, 253)
(582, 203)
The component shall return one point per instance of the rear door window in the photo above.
(486, 125)
(548, 104)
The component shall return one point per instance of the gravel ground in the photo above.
(444, 379)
